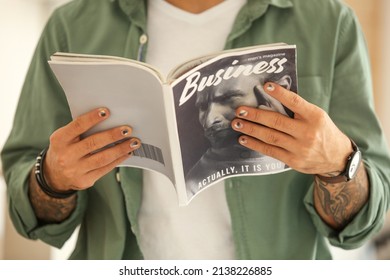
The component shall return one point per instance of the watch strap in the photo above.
(342, 177)
(334, 179)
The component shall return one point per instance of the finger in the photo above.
(263, 133)
(288, 98)
(102, 139)
(268, 118)
(95, 174)
(107, 156)
(82, 124)
(264, 148)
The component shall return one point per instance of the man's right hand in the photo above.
(73, 163)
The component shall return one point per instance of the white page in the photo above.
(137, 102)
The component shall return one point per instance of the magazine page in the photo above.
(134, 96)
(90, 58)
(186, 66)
(205, 99)
(177, 165)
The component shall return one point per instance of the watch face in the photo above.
(354, 164)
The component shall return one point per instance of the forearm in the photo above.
(48, 209)
(338, 203)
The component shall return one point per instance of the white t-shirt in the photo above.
(201, 230)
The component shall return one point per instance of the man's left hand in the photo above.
(310, 142)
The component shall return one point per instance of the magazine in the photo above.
(183, 120)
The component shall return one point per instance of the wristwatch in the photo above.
(352, 166)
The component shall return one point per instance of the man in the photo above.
(217, 107)
(329, 194)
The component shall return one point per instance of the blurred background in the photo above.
(21, 22)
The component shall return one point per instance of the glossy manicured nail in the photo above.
(102, 113)
(270, 87)
(238, 125)
(243, 113)
(243, 140)
(135, 143)
(125, 132)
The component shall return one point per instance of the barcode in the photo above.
(150, 152)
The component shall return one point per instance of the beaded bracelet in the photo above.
(42, 182)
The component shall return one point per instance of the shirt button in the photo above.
(143, 39)
(118, 176)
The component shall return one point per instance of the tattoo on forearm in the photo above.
(338, 203)
(48, 209)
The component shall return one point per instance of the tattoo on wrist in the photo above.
(340, 202)
(49, 209)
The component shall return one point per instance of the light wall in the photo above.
(21, 22)
(383, 71)
(15, 53)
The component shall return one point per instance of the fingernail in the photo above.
(134, 143)
(270, 87)
(243, 140)
(125, 132)
(102, 113)
(238, 125)
(243, 113)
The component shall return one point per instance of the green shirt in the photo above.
(272, 216)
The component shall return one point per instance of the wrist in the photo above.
(42, 183)
(338, 158)
(46, 208)
(349, 169)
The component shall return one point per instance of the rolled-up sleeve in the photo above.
(352, 110)
(23, 217)
(365, 224)
(42, 109)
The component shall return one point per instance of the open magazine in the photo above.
(183, 120)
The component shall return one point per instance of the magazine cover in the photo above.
(205, 101)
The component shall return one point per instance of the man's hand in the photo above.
(73, 163)
(310, 142)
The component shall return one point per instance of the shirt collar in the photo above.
(277, 3)
(257, 8)
(136, 10)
